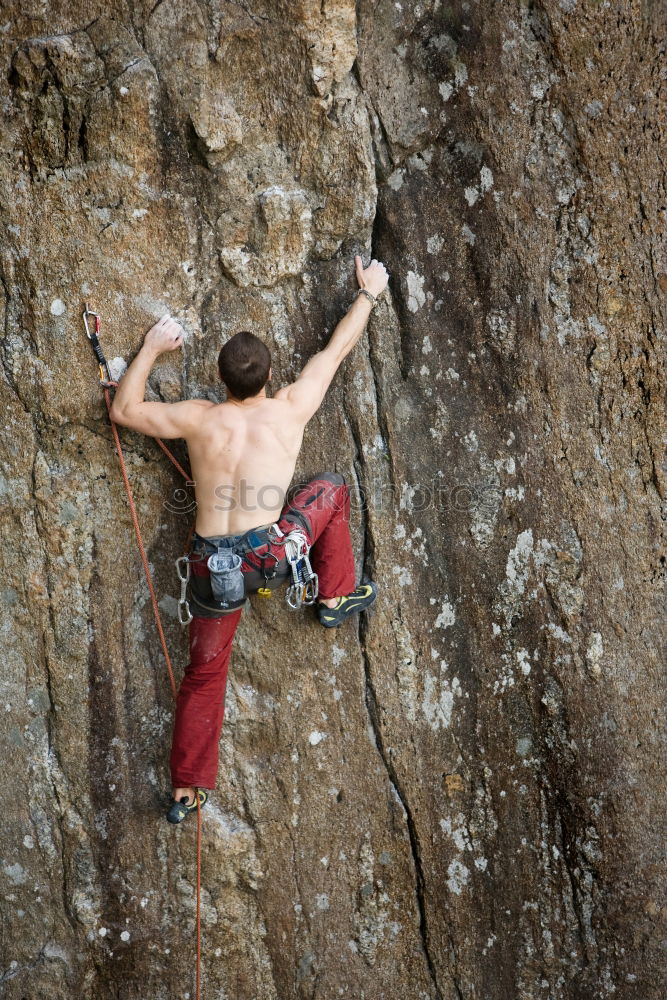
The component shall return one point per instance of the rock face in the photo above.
(463, 797)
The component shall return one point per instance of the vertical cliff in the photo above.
(461, 798)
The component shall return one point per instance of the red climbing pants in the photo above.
(324, 504)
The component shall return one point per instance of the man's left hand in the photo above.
(166, 335)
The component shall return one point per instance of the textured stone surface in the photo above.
(463, 798)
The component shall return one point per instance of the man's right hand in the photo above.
(307, 392)
(374, 278)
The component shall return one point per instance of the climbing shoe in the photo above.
(358, 600)
(179, 810)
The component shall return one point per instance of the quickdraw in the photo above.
(105, 374)
(304, 586)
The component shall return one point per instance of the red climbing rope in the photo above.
(173, 460)
(106, 382)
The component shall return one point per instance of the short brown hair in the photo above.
(244, 364)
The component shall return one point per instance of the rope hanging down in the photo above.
(107, 383)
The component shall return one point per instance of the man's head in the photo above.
(244, 363)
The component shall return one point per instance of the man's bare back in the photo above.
(242, 456)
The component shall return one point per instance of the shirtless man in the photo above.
(242, 454)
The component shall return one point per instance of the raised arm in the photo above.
(308, 391)
(168, 420)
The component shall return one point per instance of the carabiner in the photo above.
(294, 596)
(304, 586)
(184, 615)
(311, 589)
(183, 576)
(89, 312)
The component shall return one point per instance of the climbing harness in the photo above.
(106, 384)
(226, 579)
(304, 587)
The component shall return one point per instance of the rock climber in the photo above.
(243, 454)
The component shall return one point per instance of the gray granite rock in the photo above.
(462, 798)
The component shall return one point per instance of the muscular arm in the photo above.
(308, 391)
(168, 420)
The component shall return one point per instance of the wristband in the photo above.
(373, 299)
